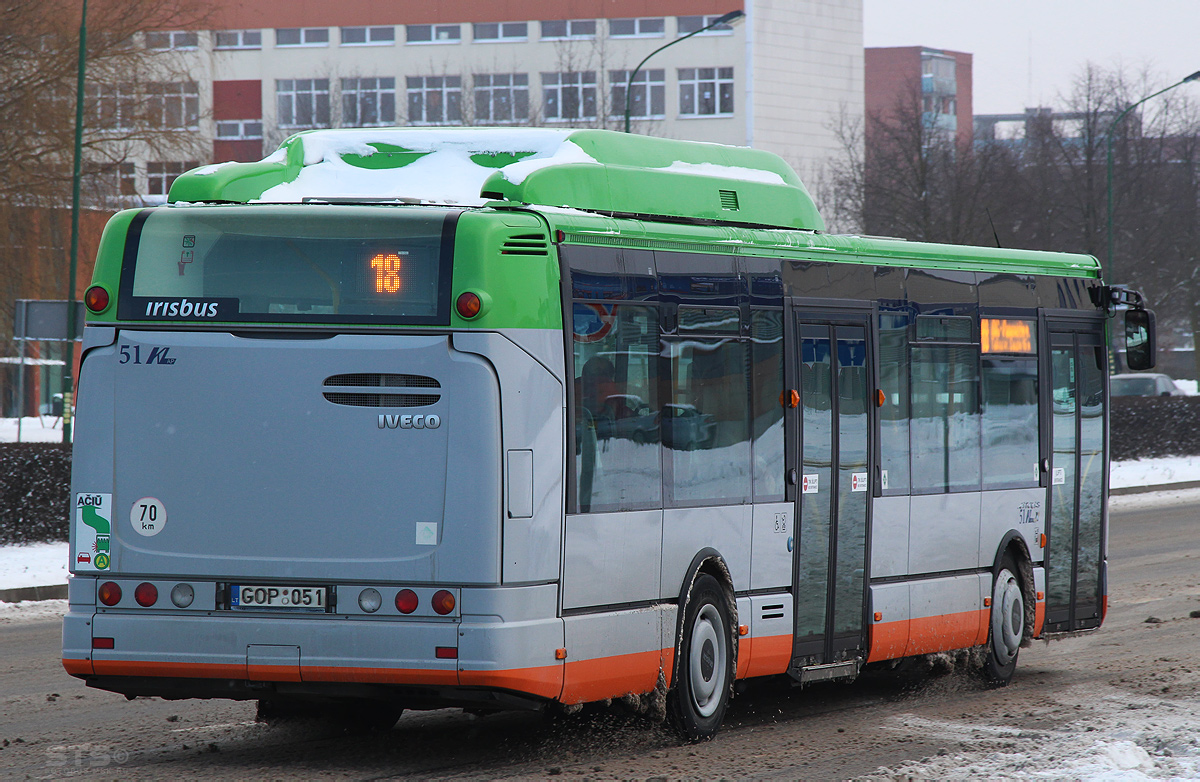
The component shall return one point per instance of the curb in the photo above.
(1155, 487)
(56, 592)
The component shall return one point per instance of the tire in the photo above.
(703, 680)
(1006, 625)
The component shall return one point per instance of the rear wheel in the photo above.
(1007, 625)
(703, 678)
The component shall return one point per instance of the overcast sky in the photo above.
(1026, 52)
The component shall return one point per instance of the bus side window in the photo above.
(893, 414)
(766, 329)
(617, 462)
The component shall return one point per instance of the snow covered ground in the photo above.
(33, 430)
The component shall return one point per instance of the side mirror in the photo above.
(1140, 343)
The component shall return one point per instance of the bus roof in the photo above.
(593, 170)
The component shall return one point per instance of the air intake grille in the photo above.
(364, 390)
(729, 200)
(524, 244)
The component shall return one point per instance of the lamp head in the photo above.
(735, 16)
(1193, 77)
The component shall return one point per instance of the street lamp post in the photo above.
(69, 366)
(1112, 277)
(724, 19)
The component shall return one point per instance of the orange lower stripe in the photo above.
(1039, 618)
(907, 637)
(611, 677)
(764, 656)
(77, 667)
(546, 681)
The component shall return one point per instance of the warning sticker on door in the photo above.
(858, 481)
(809, 484)
(93, 531)
(1058, 476)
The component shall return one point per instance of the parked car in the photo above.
(1143, 384)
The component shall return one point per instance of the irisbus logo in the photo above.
(409, 421)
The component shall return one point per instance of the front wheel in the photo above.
(1007, 625)
(703, 680)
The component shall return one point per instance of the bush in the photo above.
(1143, 427)
(35, 489)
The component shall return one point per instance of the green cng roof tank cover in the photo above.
(593, 170)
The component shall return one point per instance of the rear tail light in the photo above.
(146, 594)
(109, 593)
(406, 601)
(443, 602)
(96, 299)
(468, 305)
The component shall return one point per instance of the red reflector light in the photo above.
(468, 305)
(96, 299)
(109, 593)
(443, 602)
(446, 653)
(102, 643)
(146, 595)
(406, 601)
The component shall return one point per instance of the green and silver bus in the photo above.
(522, 418)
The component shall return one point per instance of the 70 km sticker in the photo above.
(148, 516)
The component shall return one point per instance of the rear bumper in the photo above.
(214, 655)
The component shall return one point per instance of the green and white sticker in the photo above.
(93, 532)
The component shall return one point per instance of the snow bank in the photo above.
(29, 610)
(34, 564)
(33, 430)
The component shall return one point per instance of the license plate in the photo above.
(276, 596)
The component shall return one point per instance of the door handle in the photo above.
(791, 476)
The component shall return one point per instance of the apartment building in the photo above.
(942, 79)
(779, 78)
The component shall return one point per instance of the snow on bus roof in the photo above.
(446, 174)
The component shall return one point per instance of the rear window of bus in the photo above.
(292, 264)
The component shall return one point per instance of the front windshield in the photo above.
(310, 263)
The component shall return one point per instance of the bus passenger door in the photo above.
(832, 372)
(1075, 530)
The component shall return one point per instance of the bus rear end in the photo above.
(290, 477)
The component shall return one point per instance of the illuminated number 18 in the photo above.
(387, 272)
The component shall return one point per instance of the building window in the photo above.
(653, 80)
(569, 96)
(174, 39)
(302, 36)
(690, 24)
(501, 97)
(159, 176)
(112, 106)
(368, 102)
(127, 179)
(368, 36)
(705, 92)
(302, 103)
(652, 27)
(434, 33)
(501, 31)
(434, 100)
(562, 29)
(239, 129)
(174, 104)
(238, 39)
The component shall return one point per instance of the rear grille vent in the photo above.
(729, 200)
(773, 611)
(365, 390)
(525, 244)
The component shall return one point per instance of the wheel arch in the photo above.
(1013, 544)
(707, 561)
